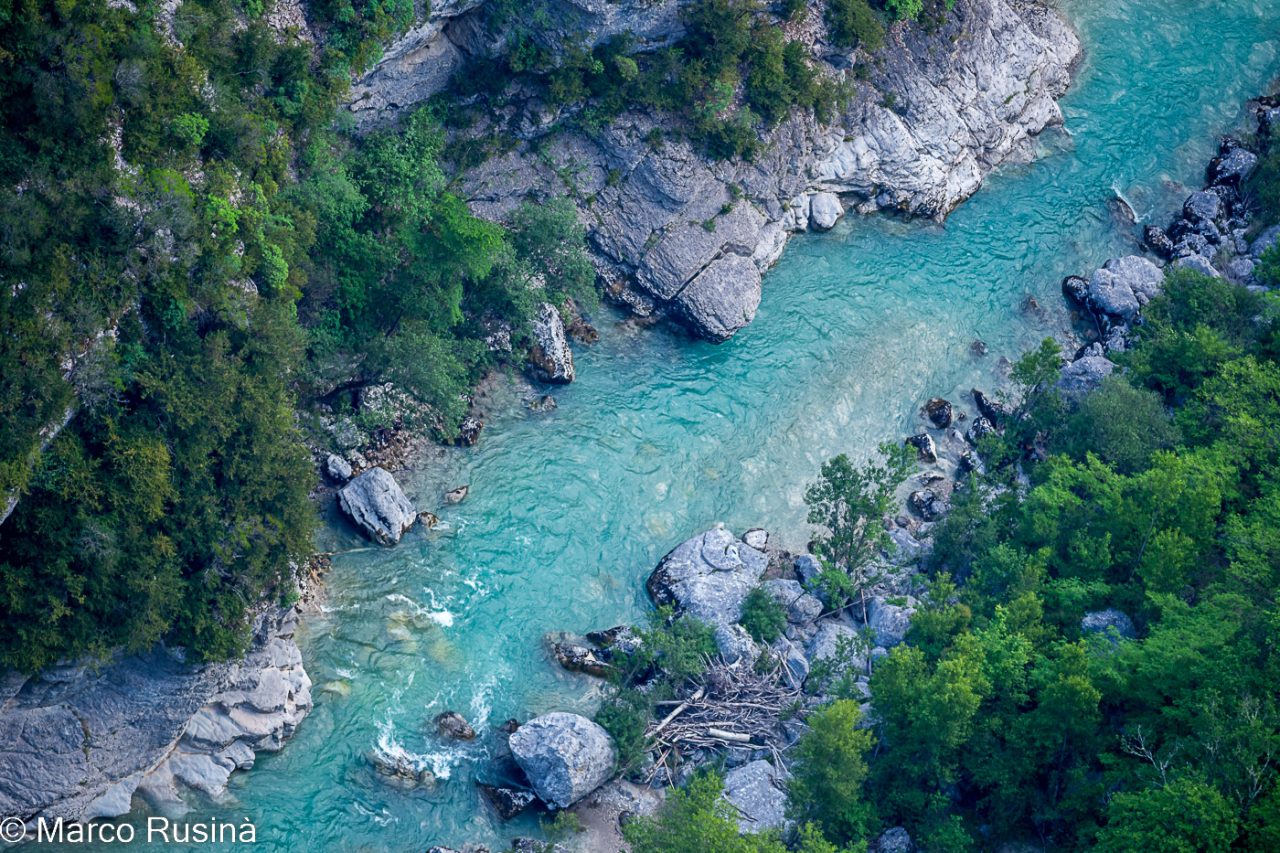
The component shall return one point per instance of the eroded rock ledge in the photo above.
(679, 235)
(79, 743)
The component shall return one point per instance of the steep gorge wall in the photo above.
(677, 234)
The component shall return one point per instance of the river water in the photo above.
(662, 436)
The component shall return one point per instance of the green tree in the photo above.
(828, 772)
(1184, 816)
(696, 818)
(848, 503)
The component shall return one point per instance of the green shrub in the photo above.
(763, 616)
(697, 818)
(625, 715)
(853, 23)
(828, 773)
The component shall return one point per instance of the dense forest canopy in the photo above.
(193, 245)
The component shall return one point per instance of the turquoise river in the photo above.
(662, 436)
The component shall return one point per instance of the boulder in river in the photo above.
(453, 725)
(507, 801)
(564, 756)
(939, 412)
(991, 408)
(708, 576)
(376, 504)
(927, 504)
(757, 791)
(1157, 240)
(722, 298)
(469, 431)
(1202, 206)
(550, 358)
(1123, 285)
(825, 211)
(926, 450)
(458, 495)
(1232, 167)
(576, 658)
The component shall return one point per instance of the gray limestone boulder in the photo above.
(757, 791)
(895, 840)
(890, 619)
(550, 358)
(564, 756)
(376, 504)
(1084, 375)
(1123, 285)
(1110, 622)
(722, 298)
(1233, 167)
(338, 469)
(1202, 206)
(825, 211)
(735, 644)
(708, 576)
(1197, 263)
(801, 606)
(828, 642)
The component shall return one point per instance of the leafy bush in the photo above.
(763, 616)
(624, 716)
(697, 818)
(828, 773)
(853, 23)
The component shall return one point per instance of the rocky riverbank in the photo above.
(82, 742)
(676, 234)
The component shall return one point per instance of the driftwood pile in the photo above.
(735, 706)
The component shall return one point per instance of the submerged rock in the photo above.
(550, 358)
(454, 725)
(1232, 167)
(708, 576)
(508, 802)
(376, 504)
(400, 769)
(757, 791)
(458, 495)
(564, 756)
(576, 658)
(939, 412)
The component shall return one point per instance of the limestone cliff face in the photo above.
(677, 234)
(80, 743)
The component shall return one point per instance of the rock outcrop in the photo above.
(378, 507)
(708, 576)
(757, 792)
(80, 742)
(677, 234)
(564, 756)
(550, 358)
